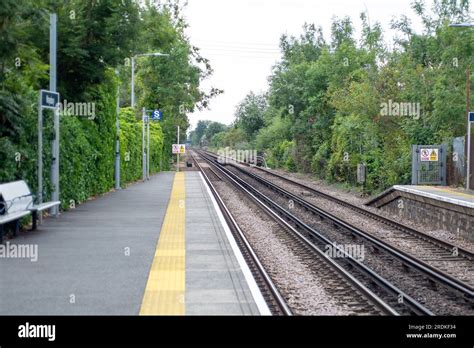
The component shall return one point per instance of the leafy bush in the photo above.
(87, 149)
(131, 146)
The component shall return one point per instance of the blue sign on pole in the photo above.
(156, 115)
(471, 116)
(49, 99)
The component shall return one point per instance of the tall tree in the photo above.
(249, 114)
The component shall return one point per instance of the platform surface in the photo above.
(105, 257)
(441, 193)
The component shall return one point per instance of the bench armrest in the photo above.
(44, 206)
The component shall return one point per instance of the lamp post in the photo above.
(52, 87)
(154, 54)
(144, 154)
(117, 135)
(468, 107)
(177, 158)
(145, 121)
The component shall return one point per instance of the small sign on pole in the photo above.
(156, 115)
(471, 116)
(49, 100)
(179, 149)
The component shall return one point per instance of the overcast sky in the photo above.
(241, 37)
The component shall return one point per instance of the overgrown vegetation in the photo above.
(324, 113)
(96, 40)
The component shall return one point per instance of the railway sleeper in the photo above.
(432, 284)
(375, 249)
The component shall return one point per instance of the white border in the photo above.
(256, 294)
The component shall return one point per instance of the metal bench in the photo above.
(16, 201)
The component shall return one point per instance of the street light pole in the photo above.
(468, 107)
(143, 145)
(148, 149)
(40, 157)
(133, 83)
(117, 140)
(177, 161)
(52, 87)
(154, 54)
(145, 154)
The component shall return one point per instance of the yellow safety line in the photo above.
(448, 190)
(164, 292)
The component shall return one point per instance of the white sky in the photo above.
(241, 38)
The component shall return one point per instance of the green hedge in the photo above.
(131, 147)
(87, 148)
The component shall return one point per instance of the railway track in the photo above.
(433, 276)
(272, 296)
(451, 250)
(379, 291)
(455, 262)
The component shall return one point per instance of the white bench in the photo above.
(16, 201)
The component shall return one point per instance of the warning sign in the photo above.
(179, 149)
(429, 155)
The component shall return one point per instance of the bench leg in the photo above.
(16, 229)
(34, 216)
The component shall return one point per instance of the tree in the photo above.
(218, 140)
(249, 115)
(323, 109)
(199, 131)
(214, 128)
(95, 39)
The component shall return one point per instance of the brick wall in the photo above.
(435, 217)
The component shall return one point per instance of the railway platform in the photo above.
(438, 207)
(160, 247)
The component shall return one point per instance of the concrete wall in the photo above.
(436, 215)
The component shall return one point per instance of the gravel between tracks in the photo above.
(461, 269)
(357, 199)
(439, 300)
(303, 290)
